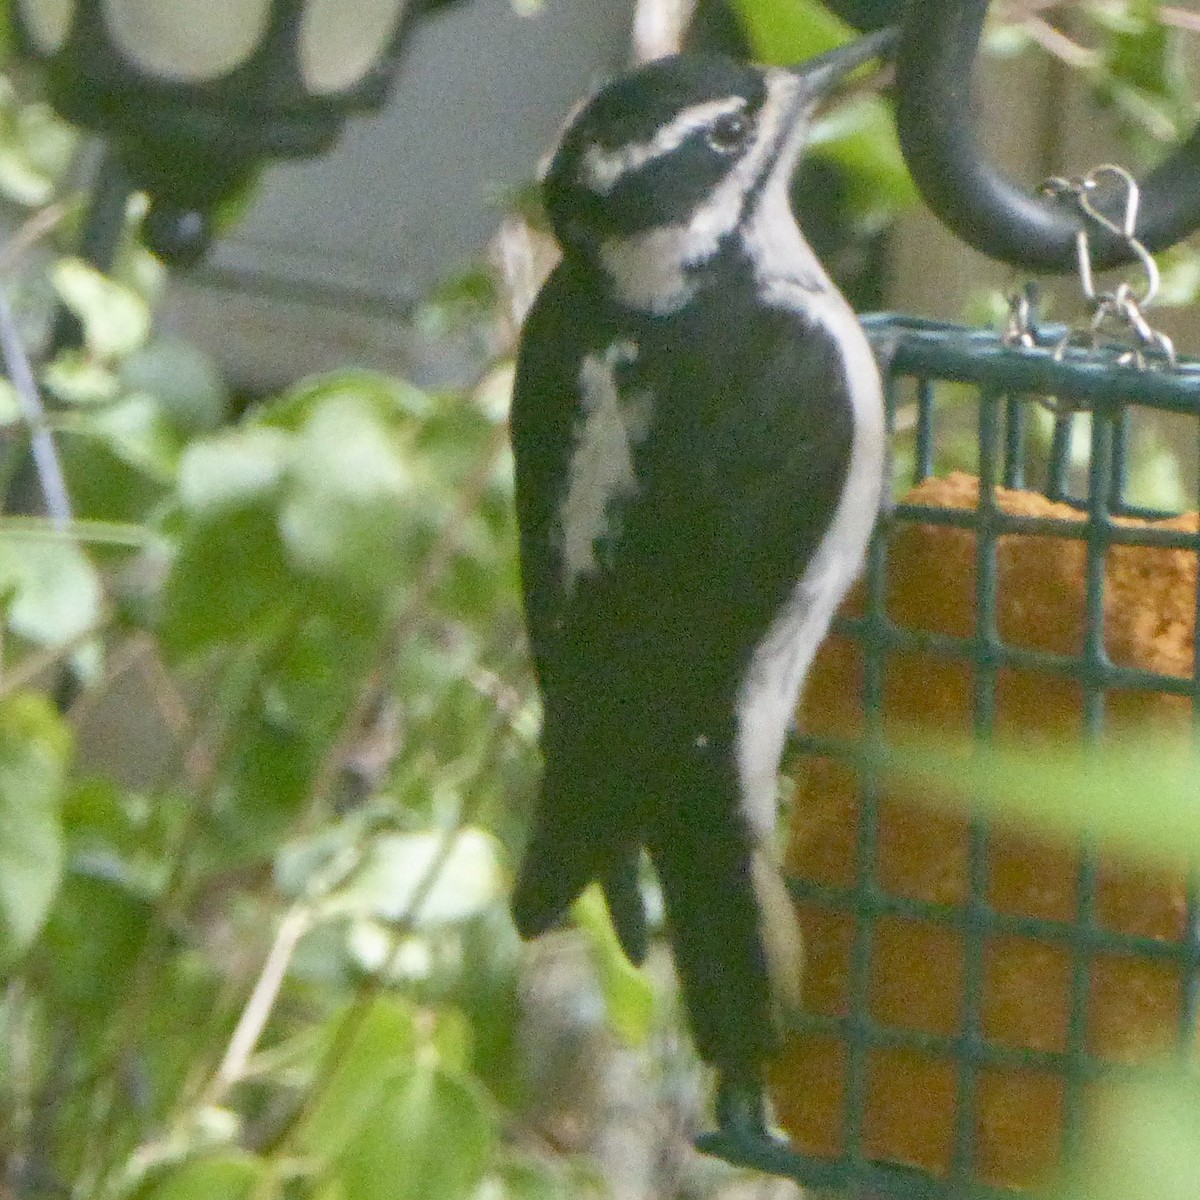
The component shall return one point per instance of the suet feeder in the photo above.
(966, 987)
(969, 990)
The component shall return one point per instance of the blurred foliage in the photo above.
(1130, 54)
(284, 965)
(1136, 799)
(1137, 59)
(278, 962)
(1073, 791)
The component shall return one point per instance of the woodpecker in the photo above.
(698, 440)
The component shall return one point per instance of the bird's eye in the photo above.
(728, 132)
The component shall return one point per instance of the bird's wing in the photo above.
(581, 830)
(545, 410)
(766, 432)
(736, 480)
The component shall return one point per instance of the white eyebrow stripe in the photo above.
(602, 168)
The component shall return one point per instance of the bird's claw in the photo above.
(743, 1134)
(741, 1109)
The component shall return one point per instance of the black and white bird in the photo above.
(698, 435)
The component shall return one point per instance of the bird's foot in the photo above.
(744, 1134)
(741, 1108)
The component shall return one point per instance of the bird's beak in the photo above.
(802, 88)
(820, 75)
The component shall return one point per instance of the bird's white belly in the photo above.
(771, 686)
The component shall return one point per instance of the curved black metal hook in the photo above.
(982, 206)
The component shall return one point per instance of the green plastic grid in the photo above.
(1007, 382)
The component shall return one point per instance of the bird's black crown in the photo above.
(650, 146)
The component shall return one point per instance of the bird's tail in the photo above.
(781, 932)
(736, 942)
(626, 908)
(579, 835)
(549, 883)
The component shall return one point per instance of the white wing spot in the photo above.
(601, 469)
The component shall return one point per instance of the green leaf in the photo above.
(1179, 270)
(49, 142)
(375, 949)
(34, 749)
(1145, 1141)
(381, 1050)
(53, 590)
(628, 993)
(183, 380)
(427, 1138)
(532, 1180)
(136, 432)
(1005, 40)
(77, 378)
(329, 1188)
(36, 145)
(234, 469)
(229, 581)
(316, 674)
(860, 135)
(96, 813)
(392, 401)
(453, 1039)
(20, 179)
(271, 775)
(397, 865)
(227, 1176)
(1139, 51)
(116, 320)
(102, 483)
(783, 32)
(116, 835)
(93, 936)
(1143, 77)
(1138, 798)
(352, 500)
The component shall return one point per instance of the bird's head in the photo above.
(663, 163)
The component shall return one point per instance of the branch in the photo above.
(295, 924)
(44, 221)
(1055, 42)
(45, 452)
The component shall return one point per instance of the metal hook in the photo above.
(1116, 314)
(1081, 191)
(984, 207)
(1133, 198)
(1021, 318)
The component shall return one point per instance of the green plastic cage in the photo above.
(1095, 407)
(1036, 419)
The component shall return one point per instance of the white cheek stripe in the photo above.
(602, 168)
(601, 467)
(650, 269)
